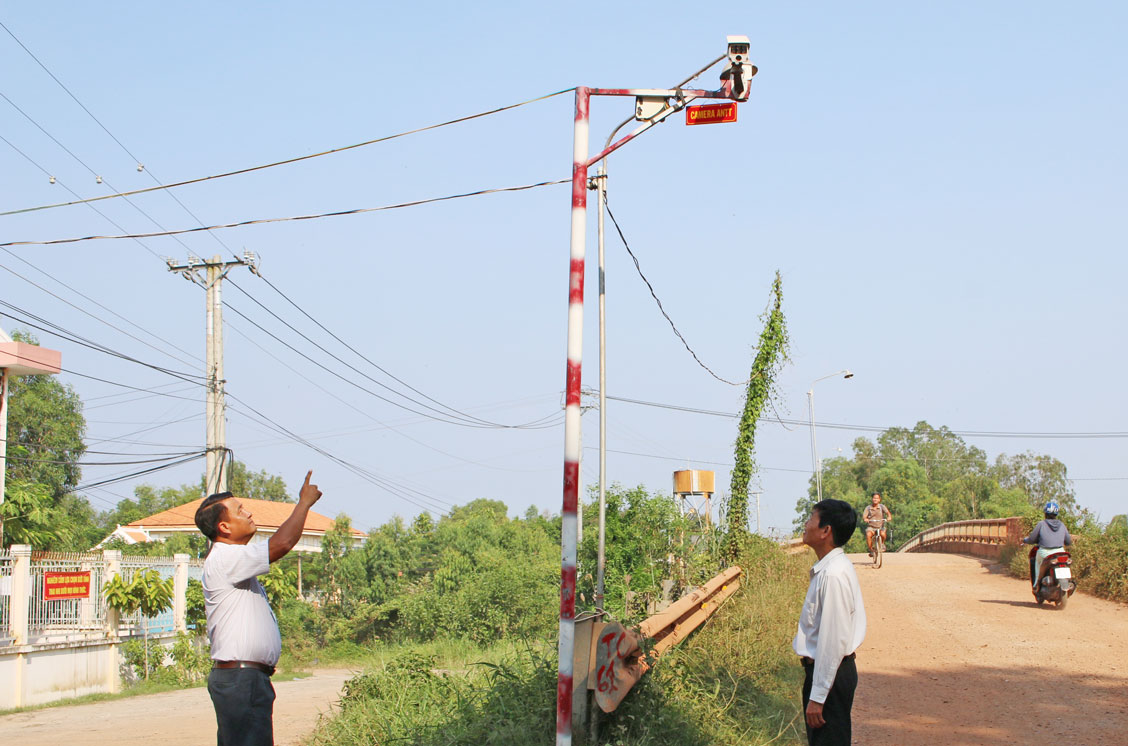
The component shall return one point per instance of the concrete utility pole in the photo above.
(215, 476)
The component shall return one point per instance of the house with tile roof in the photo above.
(268, 517)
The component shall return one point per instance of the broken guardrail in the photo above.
(609, 658)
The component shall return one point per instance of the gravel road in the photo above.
(958, 653)
(181, 718)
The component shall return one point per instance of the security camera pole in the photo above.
(651, 107)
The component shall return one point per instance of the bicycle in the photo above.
(878, 545)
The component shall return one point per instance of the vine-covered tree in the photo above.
(770, 357)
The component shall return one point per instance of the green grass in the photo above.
(733, 682)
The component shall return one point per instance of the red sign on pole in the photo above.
(710, 113)
(58, 586)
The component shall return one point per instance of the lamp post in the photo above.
(816, 467)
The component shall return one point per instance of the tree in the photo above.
(45, 442)
(45, 421)
(147, 592)
(770, 357)
(28, 514)
(1042, 478)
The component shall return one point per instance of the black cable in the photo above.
(370, 392)
(83, 310)
(878, 429)
(70, 336)
(100, 179)
(262, 221)
(293, 160)
(654, 295)
(143, 472)
(382, 482)
(456, 413)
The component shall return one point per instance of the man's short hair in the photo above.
(210, 513)
(877, 495)
(840, 517)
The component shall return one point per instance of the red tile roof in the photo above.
(266, 513)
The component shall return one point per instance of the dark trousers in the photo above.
(244, 706)
(836, 709)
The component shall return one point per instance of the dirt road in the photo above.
(957, 653)
(180, 718)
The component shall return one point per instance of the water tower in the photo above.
(693, 491)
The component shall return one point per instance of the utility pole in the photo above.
(652, 106)
(215, 476)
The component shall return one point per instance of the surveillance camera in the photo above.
(738, 75)
(738, 49)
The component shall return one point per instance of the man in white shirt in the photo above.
(831, 626)
(243, 632)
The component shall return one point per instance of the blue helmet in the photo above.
(1051, 508)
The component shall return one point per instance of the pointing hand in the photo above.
(309, 492)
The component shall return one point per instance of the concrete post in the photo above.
(180, 592)
(17, 611)
(112, 558)
(21, 593)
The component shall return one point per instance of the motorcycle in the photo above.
(1055, 578)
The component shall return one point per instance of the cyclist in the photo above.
(1050, 535)
(875, 516)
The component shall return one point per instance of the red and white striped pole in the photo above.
(572, 422)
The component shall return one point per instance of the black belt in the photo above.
(811, 661)
(268, 670)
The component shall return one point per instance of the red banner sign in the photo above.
(58, 586)
(710, 113)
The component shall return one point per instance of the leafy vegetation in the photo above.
(770, 357)
(929, 475)
(734, 682)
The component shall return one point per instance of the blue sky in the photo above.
(941, 186)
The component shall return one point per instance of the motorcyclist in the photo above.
(1051, 536)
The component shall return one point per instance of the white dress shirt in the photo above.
(833, 622)
(241, 624)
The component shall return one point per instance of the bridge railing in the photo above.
(981, 538)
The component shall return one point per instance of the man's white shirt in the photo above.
(833, 622)
(241, 624)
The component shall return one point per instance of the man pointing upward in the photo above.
(243, 632)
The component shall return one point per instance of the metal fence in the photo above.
(58, 620)
(62, 620)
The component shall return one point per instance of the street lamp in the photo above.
(816, 467)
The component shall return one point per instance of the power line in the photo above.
(378, 421)
(133, 475)
(69, 336)
(140, 166)
(262, 221)
(457, 414)
(412, 495)
(83, 310)
(292, 160)
(654, 295)
(878, 429)
(97, 176)
(363, 357)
